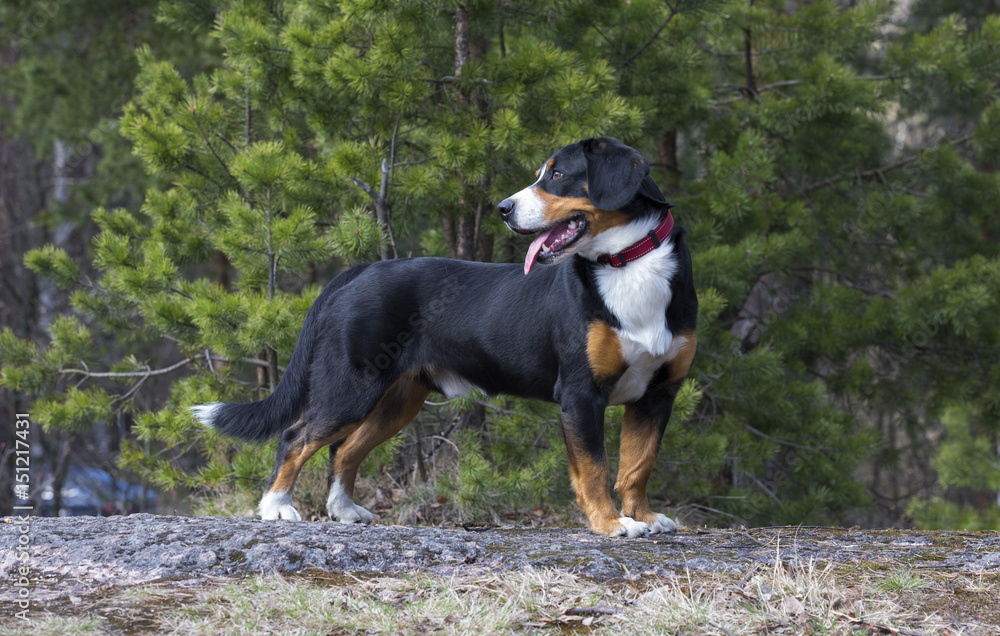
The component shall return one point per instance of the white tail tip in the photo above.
(205, 413)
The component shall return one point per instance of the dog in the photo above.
(607, 317)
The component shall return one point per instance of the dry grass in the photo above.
(813, 599)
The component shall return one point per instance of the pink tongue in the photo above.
(534, 249)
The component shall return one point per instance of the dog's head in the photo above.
(585, 192)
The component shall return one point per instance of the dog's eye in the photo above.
(556, 175)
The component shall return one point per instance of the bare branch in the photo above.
(364, 186)
(645, 45)
(128, 374)
(875, 172)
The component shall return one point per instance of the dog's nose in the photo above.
(506, 208)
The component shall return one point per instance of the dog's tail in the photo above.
(260, 421)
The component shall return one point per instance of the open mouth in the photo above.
(552, 242)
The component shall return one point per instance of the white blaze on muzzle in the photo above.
(528, 206)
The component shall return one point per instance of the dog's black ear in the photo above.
(614, 172)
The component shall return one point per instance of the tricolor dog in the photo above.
(603, 312)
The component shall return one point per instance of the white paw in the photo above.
(343, 509)
(631, 528)
(662, 523)
(274, 506)
(355, 514)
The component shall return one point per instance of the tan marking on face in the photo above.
(640, 444)
(556, 209)
(604, 351)
(681, 363)
(548, 166)
(395, 411)
(591, 481)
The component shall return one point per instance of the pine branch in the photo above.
(364, 186)
(254, 361)
(847, 280)
(607, 39)
(127, 374)
(649, 41)
(785, 442)
(411, 163)
(197, 122)
(703, 46)
(181, 293)
(381, 204)
(246, 109)
(876, 172)
(451, 79)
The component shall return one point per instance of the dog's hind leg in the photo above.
(395, 410)
(297, 445)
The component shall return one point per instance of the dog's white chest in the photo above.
(641, 367)
(638, 295)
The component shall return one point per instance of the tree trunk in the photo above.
(450, 236)
(472, 241)
(22, 196)
(461, 38)
(466, 237)
(387, 249)
(484, 247)
(667, 146)
(750, 90)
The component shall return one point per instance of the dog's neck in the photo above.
(616, 239)
(638, 294)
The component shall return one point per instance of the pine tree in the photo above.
(66, 72)
(846, 270)
(285, 156)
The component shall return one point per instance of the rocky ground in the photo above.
(74, 556)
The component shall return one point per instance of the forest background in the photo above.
(178, 179)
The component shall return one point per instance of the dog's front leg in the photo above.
(583, 431)
(642, 431)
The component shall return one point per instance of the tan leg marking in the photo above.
(604, 351)
(639, 448)
(681, 363)
(592, 483)
(395, 410)
(297, 455)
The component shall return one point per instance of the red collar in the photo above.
(653, 240)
